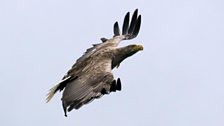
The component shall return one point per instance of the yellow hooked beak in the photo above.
(138, 47)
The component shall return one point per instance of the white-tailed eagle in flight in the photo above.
(91, 76)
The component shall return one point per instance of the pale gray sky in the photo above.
(178, 80)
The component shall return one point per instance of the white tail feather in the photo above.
(51, 93)
(53, 89)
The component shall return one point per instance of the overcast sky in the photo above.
(178, 80)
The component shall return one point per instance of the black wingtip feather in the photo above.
(119, 84)
(131, 30)
(126, 24)
(116, 29)
(113, 86)
(104, 91)
(133, 22)
(103, 39)
(137, 26)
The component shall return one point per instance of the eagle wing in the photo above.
(89, 85)
(130, 30)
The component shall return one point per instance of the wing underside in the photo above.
(89, 86)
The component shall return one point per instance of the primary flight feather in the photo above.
(91, 76)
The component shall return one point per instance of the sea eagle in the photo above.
(91, 76)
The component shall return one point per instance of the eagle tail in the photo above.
(60, 86)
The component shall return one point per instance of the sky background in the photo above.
(178, 80)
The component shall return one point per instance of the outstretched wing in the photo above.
(89, 86)
(129, 30)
